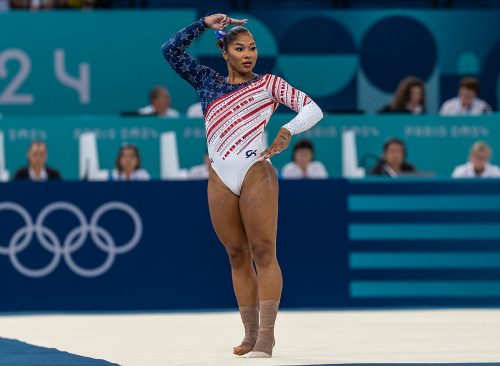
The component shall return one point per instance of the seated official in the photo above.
(128, 165)
(408, 98)
(478, 165)
(303, 164)
(393, 162)
(467, 102)
(160, 104)
(37, 170)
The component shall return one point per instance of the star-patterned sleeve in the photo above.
(308, 111)
(174, 51)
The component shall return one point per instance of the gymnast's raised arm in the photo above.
(174, 50)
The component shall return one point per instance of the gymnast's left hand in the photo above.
(280, 143)
(221, 21)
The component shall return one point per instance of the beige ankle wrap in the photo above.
(265, 339)
(250, 318)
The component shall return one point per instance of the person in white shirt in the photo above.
(195, 111)
(201, 171)
(303, 164)
(160, 100)
(128, 165)
(467, 102)
(478, 165)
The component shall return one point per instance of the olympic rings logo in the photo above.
(73, 241)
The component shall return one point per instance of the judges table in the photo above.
(84, 246)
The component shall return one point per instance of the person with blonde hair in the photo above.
(478, 165)
(409, 97)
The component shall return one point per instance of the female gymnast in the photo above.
(242, 186)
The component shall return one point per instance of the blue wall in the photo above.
(340, 244)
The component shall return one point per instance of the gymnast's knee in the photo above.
(239, 256)
(263, 254)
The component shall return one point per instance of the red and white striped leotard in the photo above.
(235, 124)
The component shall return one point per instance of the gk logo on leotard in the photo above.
(251, 152)
(74, 240)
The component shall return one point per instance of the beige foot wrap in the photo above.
(265, 339)
(250, 318)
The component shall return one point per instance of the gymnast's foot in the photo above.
(242, 349)
(250, 318)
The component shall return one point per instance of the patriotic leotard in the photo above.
(236, 114)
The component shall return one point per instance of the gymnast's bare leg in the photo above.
(226, 220)
(259, 214)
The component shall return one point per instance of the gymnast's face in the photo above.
(241, 54)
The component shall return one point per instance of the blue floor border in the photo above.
(17, 353)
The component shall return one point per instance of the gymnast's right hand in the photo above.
(221, 21)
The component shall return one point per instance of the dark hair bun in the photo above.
(230, 36)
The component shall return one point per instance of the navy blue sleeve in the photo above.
(174, 51)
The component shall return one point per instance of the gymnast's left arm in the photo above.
(308, 114)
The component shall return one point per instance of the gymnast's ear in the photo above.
(220, 44)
